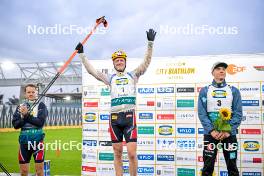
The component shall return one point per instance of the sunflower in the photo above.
(225, 113)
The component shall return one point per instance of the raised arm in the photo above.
(141, 69)
(90, 69)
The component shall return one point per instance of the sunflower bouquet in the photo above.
(221, 124)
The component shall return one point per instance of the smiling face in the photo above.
(119, 64)
(31, 93)
(219, 74)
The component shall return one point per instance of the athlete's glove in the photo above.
(79, 47)
(151, 35)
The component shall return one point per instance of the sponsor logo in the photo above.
(88, 155)
(165, 116)
(259, 68)
(251, 173)
(88, 168)
(145, 157)
(250, 102)
(165, 142)
(250, 131)
(89, 117)
(105, 92)
(165, 90)
(145, 116)
(223, 173)
(121, 81)
(233, 69)
(251, 146)
(89, 130)
(179, 158)
(165, 170)
(106, 156)
(219, 94)
(186, 143)
(186, 130)
(200, 131)
(254, 160)
(104, 116)
(165, 130)
(185, 89)
(90, 142)
(185, 103)
(150, 103)
(146, 130)
(165, 157)
(182, 115)
(146, 170)
(146, 90)
(145, 142)
(105, 143)
(90, 104)
(125, 169)
(249, 89)
(185, 172)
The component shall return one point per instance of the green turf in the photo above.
(65, 162)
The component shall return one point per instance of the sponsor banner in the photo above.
(106, 169)
(145, 130)
(90, 117)
(185, 90)
(249, 89)
(145, 104)
(89, 156)
(90, 91)
(250, 131)
(251, 145)
(186, 144)
(165, 103)
(146, 144)
(185, 171)
(184, 103)
(250, 104)
(146, 170)
(165, 117)
(89, 169)
(105, 91)
(186, 158)
(145, 117)
(105, 104)
(165, 157)
(146, 157)
(165, 130)
(167, 144)
(165, 170)
(90, 130)
(252, 160)
(186, 117)
(104, 117)
(170, 90)
(251, 117)
(104, 130)
(146, 91)
(105, 157)
(185, 130)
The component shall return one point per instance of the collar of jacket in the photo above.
(219, 85)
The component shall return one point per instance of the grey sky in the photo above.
(128, 21)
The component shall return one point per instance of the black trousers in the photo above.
(211, 146)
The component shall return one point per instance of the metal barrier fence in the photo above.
(58, 116)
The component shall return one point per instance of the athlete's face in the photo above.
(219, 74)
(31, 93)
(119, 64)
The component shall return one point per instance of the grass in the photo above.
(63, 162)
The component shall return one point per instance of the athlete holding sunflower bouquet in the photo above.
(220, 112)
